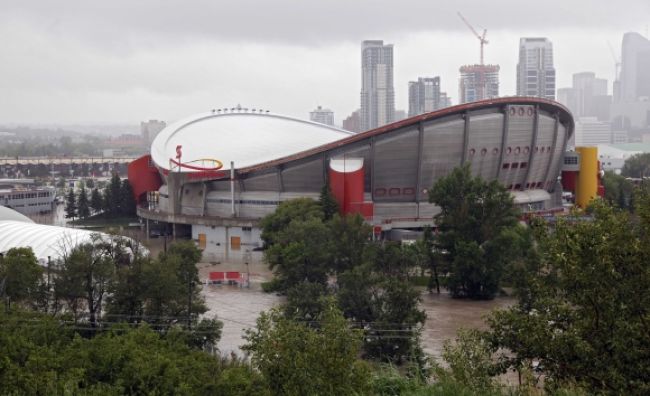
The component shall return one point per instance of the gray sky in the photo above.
(88, 61)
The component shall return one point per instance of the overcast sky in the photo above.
(122, 61)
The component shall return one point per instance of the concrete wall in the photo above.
(218, 247)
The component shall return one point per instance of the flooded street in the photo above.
(446, 315)
(56, 217)
(238, 309)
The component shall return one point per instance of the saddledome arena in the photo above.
(213, 176)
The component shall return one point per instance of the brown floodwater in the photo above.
(238, 308)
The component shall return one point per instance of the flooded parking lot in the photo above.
(238, 308)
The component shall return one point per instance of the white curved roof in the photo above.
(45, 240)
(10, 214)
(245, 137)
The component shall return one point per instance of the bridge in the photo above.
(65, 160)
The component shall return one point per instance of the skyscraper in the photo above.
(535, 71)
(587, 97)
(635, 68)
(377, 92)
(324, 116)
(630, 109)
(478, 82)
(425, 96)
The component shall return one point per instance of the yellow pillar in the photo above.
(587, 188)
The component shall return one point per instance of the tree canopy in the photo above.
(297, 359)
(477, 225)
(584, 318)
(313, 257)
(20, 276)
(637, 166)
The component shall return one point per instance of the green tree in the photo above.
(113, 197)
(427, 249)
(470, 361)
(328, 202)
(172, 291)
(127, 294)
(128, 204)
(20, 276)
(350, 241)
(83, 208)
(618, 190)
(300, 253)
(96, 201)
(90, 183)
(378, 297)
(71, 205)
(637, 166)
(84, 277)
(296, 359)
(305, 301)
(585, 318)
(300, 209)
(477, 223)
(42, 356)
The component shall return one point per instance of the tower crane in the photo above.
(481, 38)
(617, 61)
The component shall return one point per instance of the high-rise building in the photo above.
(377, 92)
(478, 82)
(150, 129)
(535, 71)
(353, 122)
(324, 116)
(630, 109)
(425, 96)
(587, 97)
(635, 68)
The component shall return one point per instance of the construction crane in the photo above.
(481, 38)
(617, 61)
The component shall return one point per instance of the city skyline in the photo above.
(77, 64)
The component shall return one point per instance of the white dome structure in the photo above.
(18, 231)
(245, 137)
